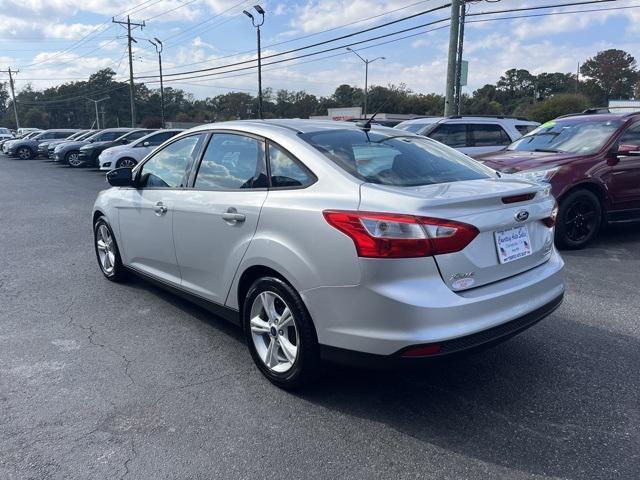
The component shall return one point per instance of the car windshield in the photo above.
(570, 136)
(395, 160)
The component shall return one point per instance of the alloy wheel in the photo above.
(274, 332)
(73, 159)
(126, 162)
(106, 249)
(24, 154)
(580, 220)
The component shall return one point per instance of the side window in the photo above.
(285, 171)
(524, 129)
(136, 135)
(108, 136)
(487, 135)
(160, 138)
(451, 134)
(169, 168)
(232, 162)
(631, 135)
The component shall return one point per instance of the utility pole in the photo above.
(130, 39)
(578, 78)
(13, 94)
(257, 24)
(454, 30)
(95, 104)
(463, 13)
(366, 76)
(158, 45)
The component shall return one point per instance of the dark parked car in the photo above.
(28, 147)
(89, 153)
(43, 147)
(592, 162)
(51, 146)
(68, 152)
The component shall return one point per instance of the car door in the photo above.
(486, 138)
(624, 177)
(214, 225)
(146, 213)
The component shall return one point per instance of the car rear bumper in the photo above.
(412, 306)
(448, 348)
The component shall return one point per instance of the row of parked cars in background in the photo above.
(590, 159)
(107, 149)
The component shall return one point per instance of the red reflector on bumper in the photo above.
(422, 350)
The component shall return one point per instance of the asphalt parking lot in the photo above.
(99, 380)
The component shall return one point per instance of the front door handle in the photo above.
(232, 215)
(160, 208)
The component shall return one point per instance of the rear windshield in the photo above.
(395, 160)
(411, 127)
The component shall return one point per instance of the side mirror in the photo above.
(120, 177)
(124, 141)
(627, 150)
(146, 144)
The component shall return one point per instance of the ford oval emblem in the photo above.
(521, 216)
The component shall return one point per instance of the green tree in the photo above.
(614, 71)
(557, 105)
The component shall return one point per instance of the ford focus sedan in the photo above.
(333, 241)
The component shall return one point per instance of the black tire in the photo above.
(70, 159)
(126, 162)
(307, 365)
(118, 273)
(24, 153)
(579, 219)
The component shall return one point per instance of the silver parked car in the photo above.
(334, 241)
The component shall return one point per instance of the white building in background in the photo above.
(351, 113)
(624, 106)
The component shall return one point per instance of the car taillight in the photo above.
(389, 235)
(550, 221)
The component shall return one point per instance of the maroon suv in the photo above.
(592, 162)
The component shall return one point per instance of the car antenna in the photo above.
(366, 125)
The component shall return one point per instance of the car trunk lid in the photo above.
(508, 210)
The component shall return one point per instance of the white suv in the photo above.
(471, 135)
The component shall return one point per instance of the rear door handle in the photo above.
(160, 208)
(232, 215)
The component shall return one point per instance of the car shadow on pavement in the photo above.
(544, 407)
(561, 399)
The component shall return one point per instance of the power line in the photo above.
(386, 24)
(293, 50)
(368, 40)
(185, 31)
(306, 36)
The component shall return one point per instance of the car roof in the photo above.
(600, 117)
(292, 125)
(474, 118)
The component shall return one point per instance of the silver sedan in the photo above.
(334, 241)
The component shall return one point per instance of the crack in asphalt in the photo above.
(129, 459)
(90, 337)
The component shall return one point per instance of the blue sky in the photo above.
(53, 41)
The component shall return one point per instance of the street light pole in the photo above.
(158, 45)
(366, 76)
(454, 32)
(95, 104)
(257, 24)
